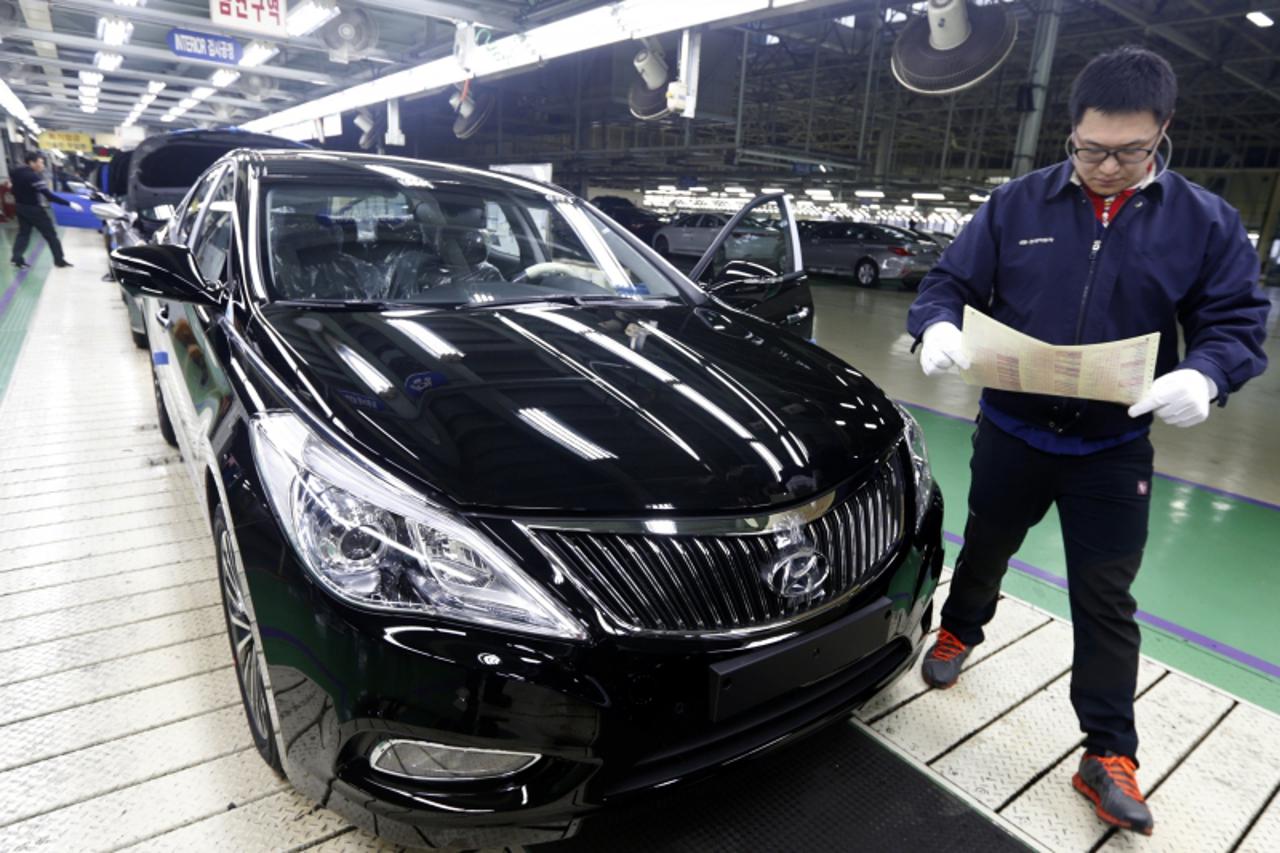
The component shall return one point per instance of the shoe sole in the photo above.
(1082, 786)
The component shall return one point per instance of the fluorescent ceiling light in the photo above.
(201, 92)
(697, 189)
(772, 190)
(977, 198)
(584, 31)
(188, 103)
(735, 189)
(131, 4)
(309, 16)
(257, 52)
(1259, 19)
(114, 32)
(772, 39)
(89, 108)
(929, 196)
(224, 77)
(89, 90)
(167, 117)
(819, 194)
(667, 188)
(91, 78)
(146, 100)
(107, 61)
(868, 193)
(155, 87)
(603, 25)
(644, 18)
(847, 21)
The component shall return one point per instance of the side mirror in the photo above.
(108, 211)
(166, 271)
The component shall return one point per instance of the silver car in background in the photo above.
(753, 240)
(870, 252)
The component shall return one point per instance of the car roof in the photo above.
(277, 163)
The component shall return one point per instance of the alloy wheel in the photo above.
(242, 642)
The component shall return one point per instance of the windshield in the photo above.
(399, 237)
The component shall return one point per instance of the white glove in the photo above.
(942, 347)
(77, 207)
(1180, 398)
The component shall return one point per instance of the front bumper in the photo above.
(614, 718)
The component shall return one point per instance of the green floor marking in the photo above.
(22, 304)
(1210, 566)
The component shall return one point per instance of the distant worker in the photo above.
(32, 196)
(1103, 246)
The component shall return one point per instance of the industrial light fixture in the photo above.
(88, 108)
(168, 117)
(155, 87)
(224, 77)
(257, 52)
(1259, 19)
(131, 4)
(978, 198)
(868, 193)
(107, 61)
(201, 92)
(91, 78)
(309, 16)
(928, 196)
(772, 190)
(819, 195)
(847, 21)
(188, 103)
(597, 27)
(740, 190)
(146, 100)
(91, 91)
(114, 32)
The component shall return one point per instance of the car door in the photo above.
(708, 227)
(198, 385)
(774, 290)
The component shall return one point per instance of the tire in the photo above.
(244, 649)
(162, 414)
(662, 247)
(139, 339)
(866, 273)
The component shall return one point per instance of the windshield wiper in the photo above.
(557, 298)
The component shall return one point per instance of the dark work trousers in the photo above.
(1103, 502)
(33, 216)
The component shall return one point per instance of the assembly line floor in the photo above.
(121, 725)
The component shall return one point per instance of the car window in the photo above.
(211, 244)
(190, 209)
(401, 237)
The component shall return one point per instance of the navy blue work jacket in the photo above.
(1036, 258)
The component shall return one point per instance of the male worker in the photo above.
(1103, 246)
(31, 195)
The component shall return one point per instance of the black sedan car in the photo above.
(513, 522)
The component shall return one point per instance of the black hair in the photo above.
(1128, 79)
(32, 156)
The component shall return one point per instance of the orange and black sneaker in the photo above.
(943, 662)
(1109, 780)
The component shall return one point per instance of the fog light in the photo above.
(415, 759)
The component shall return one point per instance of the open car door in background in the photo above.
(754, 265)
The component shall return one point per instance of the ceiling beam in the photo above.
(202, 24)
(1189, 44)
(91, 45)
(123, 73)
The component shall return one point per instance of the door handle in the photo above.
(798, 317)
(162, 316)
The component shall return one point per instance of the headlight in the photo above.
(919, 464)
(377, 544)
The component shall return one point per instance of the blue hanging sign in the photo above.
(204, 46)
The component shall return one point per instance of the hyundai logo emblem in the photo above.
(798, 574)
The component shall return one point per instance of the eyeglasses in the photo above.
(1098, 156)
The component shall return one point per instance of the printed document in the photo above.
(1008, 360)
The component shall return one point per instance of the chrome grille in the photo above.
(686, 583)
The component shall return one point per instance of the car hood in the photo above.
(601, 408)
